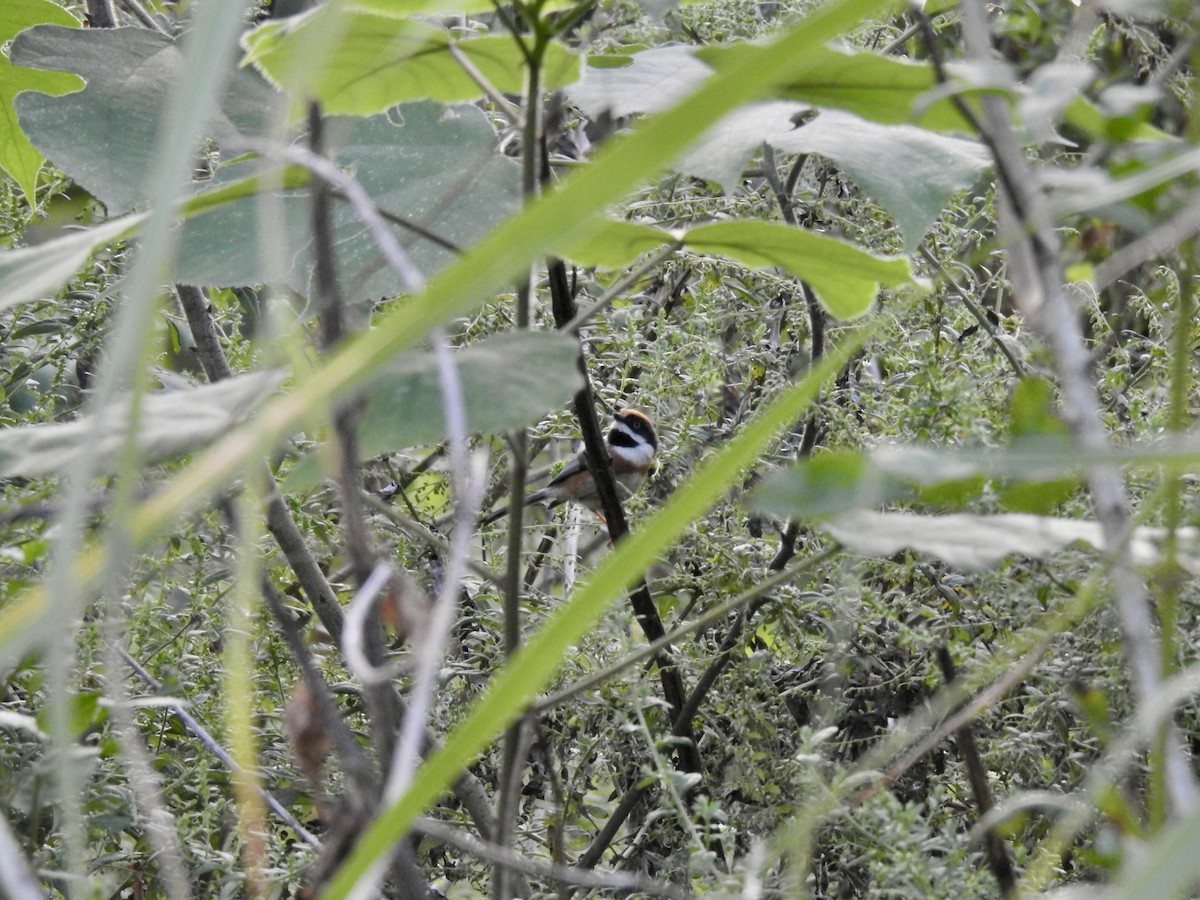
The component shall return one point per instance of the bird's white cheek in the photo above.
(639, 456)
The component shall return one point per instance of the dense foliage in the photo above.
(291, 293)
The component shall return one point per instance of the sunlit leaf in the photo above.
(845, 278)
(18, 157)
(369, 60)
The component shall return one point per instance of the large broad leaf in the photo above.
(911, 172)
(507, 381)
(18, 157)
(361, 62)
(104, 136)
(973, 542)
(433, 165)
(881, 88)
(32, 273)
(172, 422)
(645, 82)
(844, 277)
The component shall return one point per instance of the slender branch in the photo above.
(144, 780)
(997, 852)
(218, 751)
(968, 301)
(354, 761)
(601, 467)
(576, 877)
(517, 736)
(1154, 243)
(280, 524)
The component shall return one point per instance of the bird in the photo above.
(631, 443)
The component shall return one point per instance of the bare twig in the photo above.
(510, 859)
(997, 852)
(144, 780)
(1154, 243)
(974, 308)
(218, 751)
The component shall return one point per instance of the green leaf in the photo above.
(614, 243)
(129, 73)
(508, 381)
(825, 485)
(1032, 420)
(362, 62)
(18, 157)
(880, 88)
(1031, 409)
(844, 277)
(87, 711)
(172, 422)
(911, 172)
(434, 165)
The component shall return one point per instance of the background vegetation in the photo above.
(289, 294)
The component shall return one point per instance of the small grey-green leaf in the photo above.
(976, 542)
(31, 273)
(172, 422)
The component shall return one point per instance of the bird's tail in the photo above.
(496, 514)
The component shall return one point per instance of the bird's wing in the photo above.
(574, 467)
